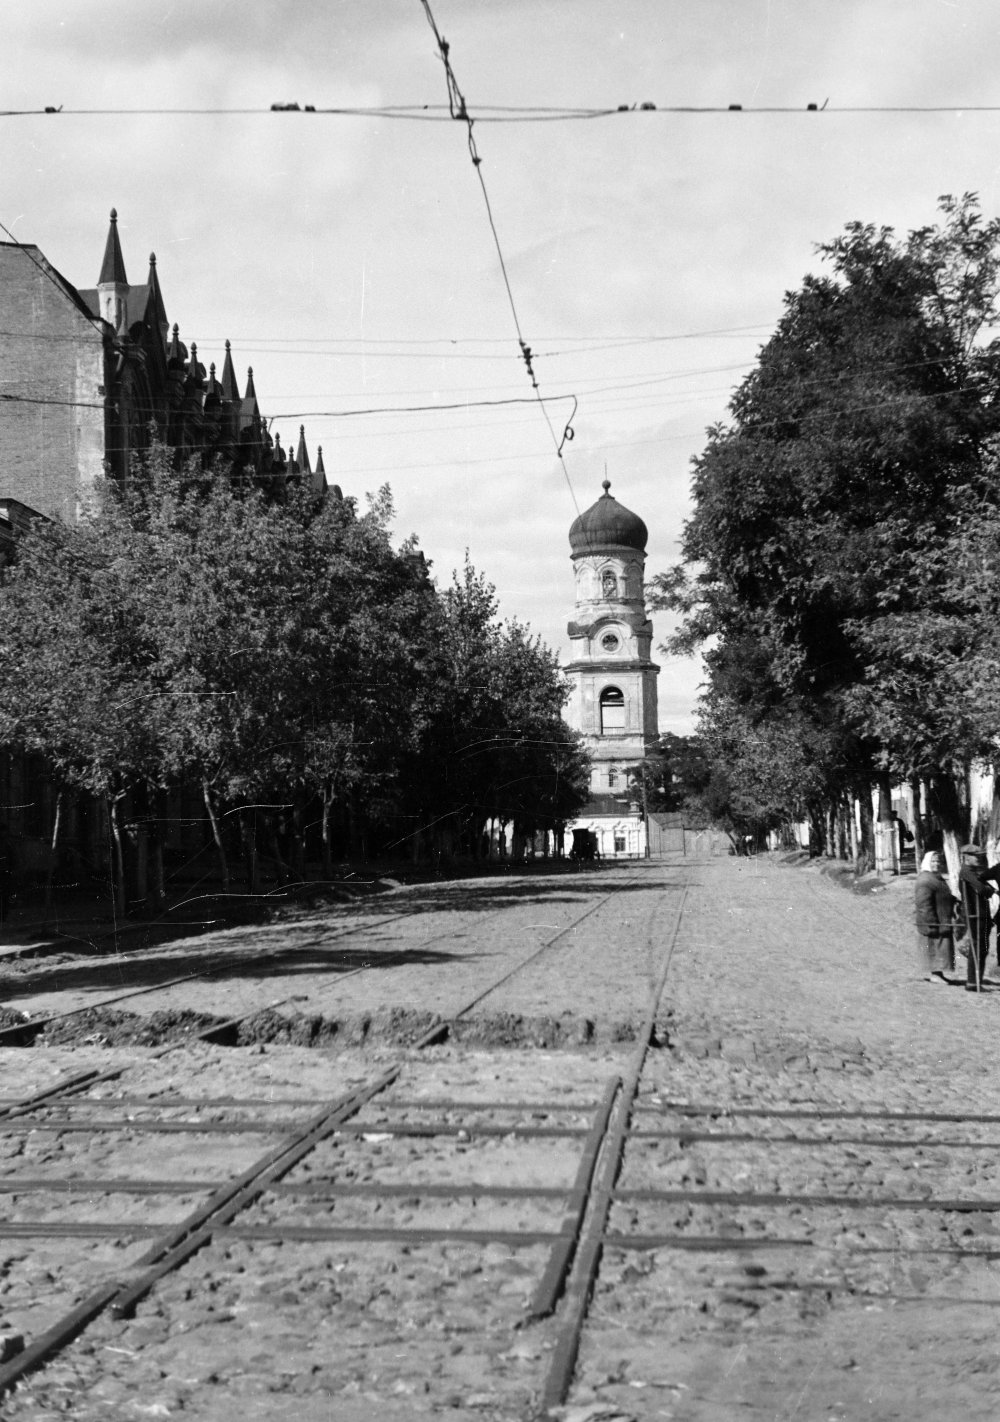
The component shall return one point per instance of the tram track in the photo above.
(49, 1112)
(642, 1188)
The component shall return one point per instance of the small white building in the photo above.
(613, 697)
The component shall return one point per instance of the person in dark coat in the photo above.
(976, 888)
(935, 907)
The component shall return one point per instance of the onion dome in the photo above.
(606, 525)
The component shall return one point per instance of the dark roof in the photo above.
(607, 524)
(230, 390)
(302, 454)
(153, 282)
(113, 266)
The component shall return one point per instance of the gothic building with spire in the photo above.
(89, 375)
(612, 677)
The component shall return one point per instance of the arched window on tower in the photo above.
(609, 583)
(612, 711)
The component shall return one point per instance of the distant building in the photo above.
(87, 373)
(613, 698)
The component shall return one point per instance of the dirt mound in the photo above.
(105, 1027)
(395, 1026)
(509, 1029)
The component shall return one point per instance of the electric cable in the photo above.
(500, 113)
(459, 111)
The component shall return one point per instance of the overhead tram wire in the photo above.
(499, 113)
(458, 110)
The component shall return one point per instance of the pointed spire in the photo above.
(175, 351)
(250, 393)
(318, 481)
(113, 266)
(159, 310)
(212, 389)
(230, 390)
(302, 454)
(195, 370)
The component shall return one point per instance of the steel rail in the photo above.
(195, 1231)
(582, 1276)
(101, 1185)
(410, 1234)
(550, 1285)
(476, 1190)
(58, 1336)
(816, 1113)
(689, 1137)
(582, 1107)
(25, 1124)
(185, 1238)
(561, 933)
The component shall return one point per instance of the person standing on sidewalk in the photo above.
(976, 891)
(935, 907)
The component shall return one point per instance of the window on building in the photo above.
(612, 779)
(609, 583)
(619, 844)
(612, 710)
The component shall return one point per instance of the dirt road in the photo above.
(801, 1227)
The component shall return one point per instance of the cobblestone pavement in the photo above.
(785, 994)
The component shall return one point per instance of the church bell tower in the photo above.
(613, 680)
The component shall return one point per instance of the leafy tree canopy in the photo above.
(823, 561)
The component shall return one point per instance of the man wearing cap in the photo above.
(976, 892)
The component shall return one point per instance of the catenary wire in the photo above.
(498, 113)
(458, 110)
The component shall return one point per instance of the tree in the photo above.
(493, 745)
(280, 656)
(827, 512)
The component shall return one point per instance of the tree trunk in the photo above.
(817, 837)
(53, 851)
(118, 860)
(852, 827)
(216, 835)
(865, 857)
(137, 837)
(844, 808)
(299, 843)
(886, 846)
(918, 829)
(944, 800)
(325, 832)
(248, 831)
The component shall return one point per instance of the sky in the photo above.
(351, 262)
